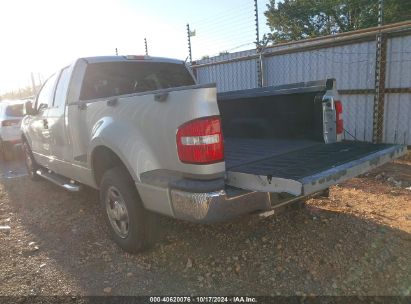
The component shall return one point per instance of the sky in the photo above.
(42, 36)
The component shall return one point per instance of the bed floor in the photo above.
(241, 151)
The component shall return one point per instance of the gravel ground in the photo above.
(356, 242)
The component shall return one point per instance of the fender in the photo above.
(25, 134)
(126, 142)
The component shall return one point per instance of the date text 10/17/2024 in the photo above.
(203, 299)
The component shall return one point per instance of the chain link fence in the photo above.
(374, 84)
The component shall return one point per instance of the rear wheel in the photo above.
(30, 162)
(131, 226)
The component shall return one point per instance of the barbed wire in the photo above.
(217, 23)
(224, 13)
(224, 31)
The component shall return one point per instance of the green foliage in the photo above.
(300, 19)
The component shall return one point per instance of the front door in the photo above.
(39, 132)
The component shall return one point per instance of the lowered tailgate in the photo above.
(312, 169)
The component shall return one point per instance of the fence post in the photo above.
(257, 31)
(258, 48)
(380, 67)
(189, 34)
(145, 45)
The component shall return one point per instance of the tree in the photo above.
(300, 19)
(20, 93)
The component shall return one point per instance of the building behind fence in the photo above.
(372, 68)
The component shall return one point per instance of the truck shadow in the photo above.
(310, 251)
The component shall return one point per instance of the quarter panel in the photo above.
(142, 131)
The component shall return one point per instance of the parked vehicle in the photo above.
(11, 114)
(141, 131)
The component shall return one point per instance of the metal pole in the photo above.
(380, 12)
(257, 31)
(379, 96)
(259, 49)
(262, 78)
(189, 43)
(145, 44)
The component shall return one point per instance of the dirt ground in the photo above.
(356, 242)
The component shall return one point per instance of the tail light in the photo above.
(10, 122)
(338, 116)
(200, 141)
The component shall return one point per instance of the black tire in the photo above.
(7, 152)
(141, 227)
(30, 162)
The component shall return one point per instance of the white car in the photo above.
(11, 114)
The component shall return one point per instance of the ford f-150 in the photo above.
(141, 131)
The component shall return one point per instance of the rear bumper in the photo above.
(218, 205)
(225, 205)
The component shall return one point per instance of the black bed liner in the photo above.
(241, 151)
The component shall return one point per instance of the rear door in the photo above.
(60, 149)
(309, 170)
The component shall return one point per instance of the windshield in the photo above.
(118, 78)
(16, 110)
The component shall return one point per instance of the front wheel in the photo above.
(30, 162)
(131, 226)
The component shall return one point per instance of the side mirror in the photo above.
(29, 108)
(41, 108)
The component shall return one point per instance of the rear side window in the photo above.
(15, 110)
(61, 89)
(118, 78)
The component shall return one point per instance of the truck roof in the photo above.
(125, 58)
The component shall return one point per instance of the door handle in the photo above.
(45, 124)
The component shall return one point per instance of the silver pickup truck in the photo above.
(142, 131)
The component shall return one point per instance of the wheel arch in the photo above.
(104, 158)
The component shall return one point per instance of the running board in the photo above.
(59, 180)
